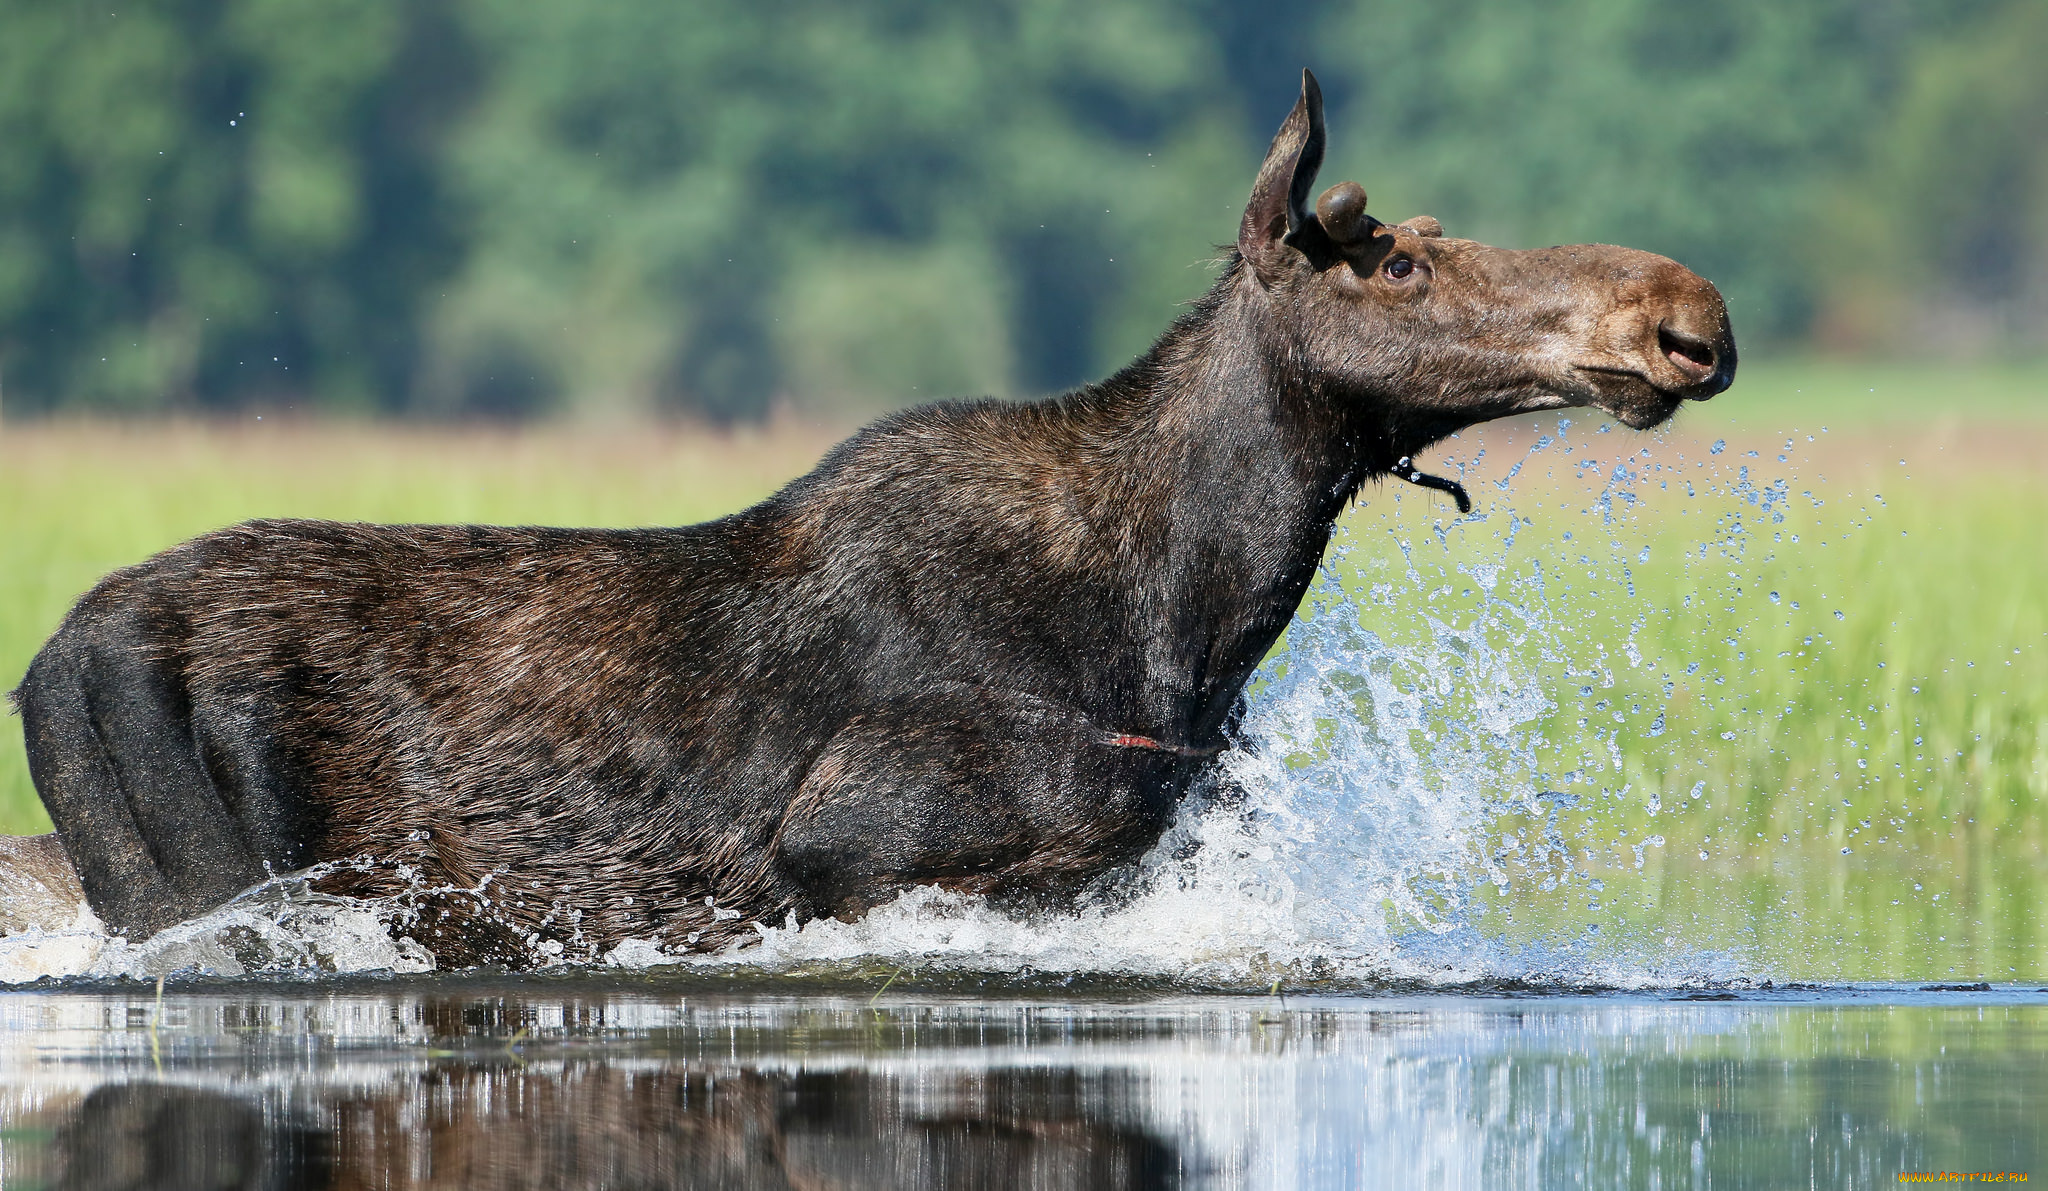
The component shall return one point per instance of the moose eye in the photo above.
(1400, 267)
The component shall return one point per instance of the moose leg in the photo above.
(75, 777)
(112, 753)
(969, 799)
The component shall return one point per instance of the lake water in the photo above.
(645, 1082)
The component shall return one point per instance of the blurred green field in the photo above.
(1909, 396)
(1811, 665)
(1837, 636)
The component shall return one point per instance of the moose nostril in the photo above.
(1693, 355)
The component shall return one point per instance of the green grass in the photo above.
(1900, 676)
(1844, 394)
(1840, 642)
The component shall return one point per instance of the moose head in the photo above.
(1433, 334)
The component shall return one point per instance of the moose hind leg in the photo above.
(75, 778)
(111, 752)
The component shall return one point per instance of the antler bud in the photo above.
(1342, 213)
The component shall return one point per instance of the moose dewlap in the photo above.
(983, 645)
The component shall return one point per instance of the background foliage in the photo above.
(628, 207)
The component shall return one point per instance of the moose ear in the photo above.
(1279, 205)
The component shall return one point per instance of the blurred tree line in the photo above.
(706, 207)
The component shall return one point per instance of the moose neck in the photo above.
(1233, 470)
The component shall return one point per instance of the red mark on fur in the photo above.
(1126, 740)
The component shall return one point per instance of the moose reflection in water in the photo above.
(592, 1084)
(597, 1124)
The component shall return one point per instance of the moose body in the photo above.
(983, 645)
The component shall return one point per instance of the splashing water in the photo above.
(1343, 843)
(276, 928)
(1383, 809)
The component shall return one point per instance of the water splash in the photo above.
(278, 928)
(1346, 842)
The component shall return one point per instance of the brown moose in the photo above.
(983, 645)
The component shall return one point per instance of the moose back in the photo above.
(983, 645)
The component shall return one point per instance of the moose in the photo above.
(984, 645)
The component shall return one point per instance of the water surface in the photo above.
(582, 1081)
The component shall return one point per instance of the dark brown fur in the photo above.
(914, 664)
